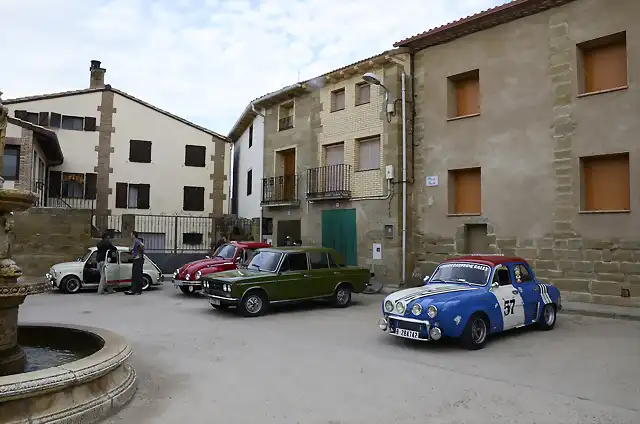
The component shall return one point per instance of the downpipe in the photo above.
(404, 180)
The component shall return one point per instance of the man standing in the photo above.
(103, 247)
(138, 262)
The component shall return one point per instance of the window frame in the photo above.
(365, 140)
(83, 185)
(194, 149)
(527, 271)
(586, 176)
(127, 188)
(250, 136)
(359, 87)
(334, 99)
(140, 147)
(456, 84)
(453, 186)
(592, 48)
(65, 118)
(15, 148)
(249, 178)
(286, 258)
(185, 189)
(326, 257)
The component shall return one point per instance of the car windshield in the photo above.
(226, 251)
(265, 261)
(462, 272)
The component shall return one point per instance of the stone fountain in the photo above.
(80, 374)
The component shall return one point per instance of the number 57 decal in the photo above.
(509, 306)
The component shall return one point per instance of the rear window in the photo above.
(318, 260)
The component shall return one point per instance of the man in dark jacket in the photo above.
(104, 246)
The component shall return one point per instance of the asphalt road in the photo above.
(313, 364)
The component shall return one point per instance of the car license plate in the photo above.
(407, 333)
(214, 302)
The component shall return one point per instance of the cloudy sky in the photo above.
(202, 59)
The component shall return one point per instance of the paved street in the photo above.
(315, 365)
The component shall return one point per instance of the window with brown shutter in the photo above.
(121, 195)
(464, 95)
(337, 100)
(143, 195)
(43, 119)
(605, 183)
(251, 136)
(56, 120)
(55, 184)
(195, 156)
(89, 123)
(75, 123)
(604, 64)
(20, 114)
(193, 199)
(32, 117)
(140, 151)
(363, 93)
(91, 186)
(465, 191)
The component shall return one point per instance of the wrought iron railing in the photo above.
(283, 189)
(55, 199)
(333, 181)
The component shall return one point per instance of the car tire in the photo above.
(70, 284)
(188, 290)
(146, 282)
(342, 296)
(475, 333)
(253, 304)
(548, 317)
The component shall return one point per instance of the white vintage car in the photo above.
(83, 273)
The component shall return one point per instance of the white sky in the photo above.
(202, 59)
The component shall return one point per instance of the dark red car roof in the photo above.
(250, 244)
(491, 260)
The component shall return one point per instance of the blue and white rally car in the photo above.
(469, 298)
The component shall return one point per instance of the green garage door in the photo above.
(339, 232)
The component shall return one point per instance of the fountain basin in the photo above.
(83, 390)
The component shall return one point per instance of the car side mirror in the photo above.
(207, 257)
(495, 285)
(426, 278)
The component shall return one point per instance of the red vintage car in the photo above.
(226, 257)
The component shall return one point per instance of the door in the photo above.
(529, 291)
(294, 278)
(339, 233)
(333, 177)
(289, 228)
(120, 273)
(91, 272)
(476, 240)
(509, 299)
(324, 279)
(289, 165)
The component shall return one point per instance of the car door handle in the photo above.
(307, 275)
(514, 291)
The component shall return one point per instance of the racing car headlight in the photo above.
(432, 311)
(198, 275)
(400, 308)
(416, 309)
(187, 277)
(388, 306)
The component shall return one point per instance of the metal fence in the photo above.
(283, 189)
(333, 181)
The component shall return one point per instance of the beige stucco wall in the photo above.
(528, 139)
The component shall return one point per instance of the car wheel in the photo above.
(548, 318)
(146, 282)
(253, 304)
(475, 333)
(187, 289)
(342, 296)
(70, 284)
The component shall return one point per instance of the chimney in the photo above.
(96, 79)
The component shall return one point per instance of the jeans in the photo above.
(102, 266)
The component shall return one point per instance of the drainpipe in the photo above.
(404, 181)
(254, 110)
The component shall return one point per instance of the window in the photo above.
(140, 151)
(285, 116)
(267, 225)
(363, 93)
(72, 185)
(193, 199)
(605, 183)
(11, 162)
(132, 196)
(75, 123)
(464, 95)
(195, 156)
(522, 274)
(604, 64)
(32, 117)
(192, 238)
(337, 100)
(56, 120)
(502, 276)
(335, 262)
(369, 153)
(295, 262)
(126, 258)
(318, 260)
(251, 136)
(466, 194)
(249, 182)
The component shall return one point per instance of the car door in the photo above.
(91, 271)
(293, 271)
(509, 298)
(125, 268)
(529, 291)
(322, 281)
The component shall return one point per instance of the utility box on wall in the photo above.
(388, 231)
(377, 251)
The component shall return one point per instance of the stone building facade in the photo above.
(528, 116)
(317, 186)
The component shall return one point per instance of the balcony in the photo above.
(280, 191)
(285, 123)
(329, 182)
(71, 197)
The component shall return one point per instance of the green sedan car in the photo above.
(284, 275)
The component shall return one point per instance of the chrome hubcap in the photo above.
(342, 296)
(145, 283)
(73, 285)
(478, 331)
(254, 304)
(549, 315)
